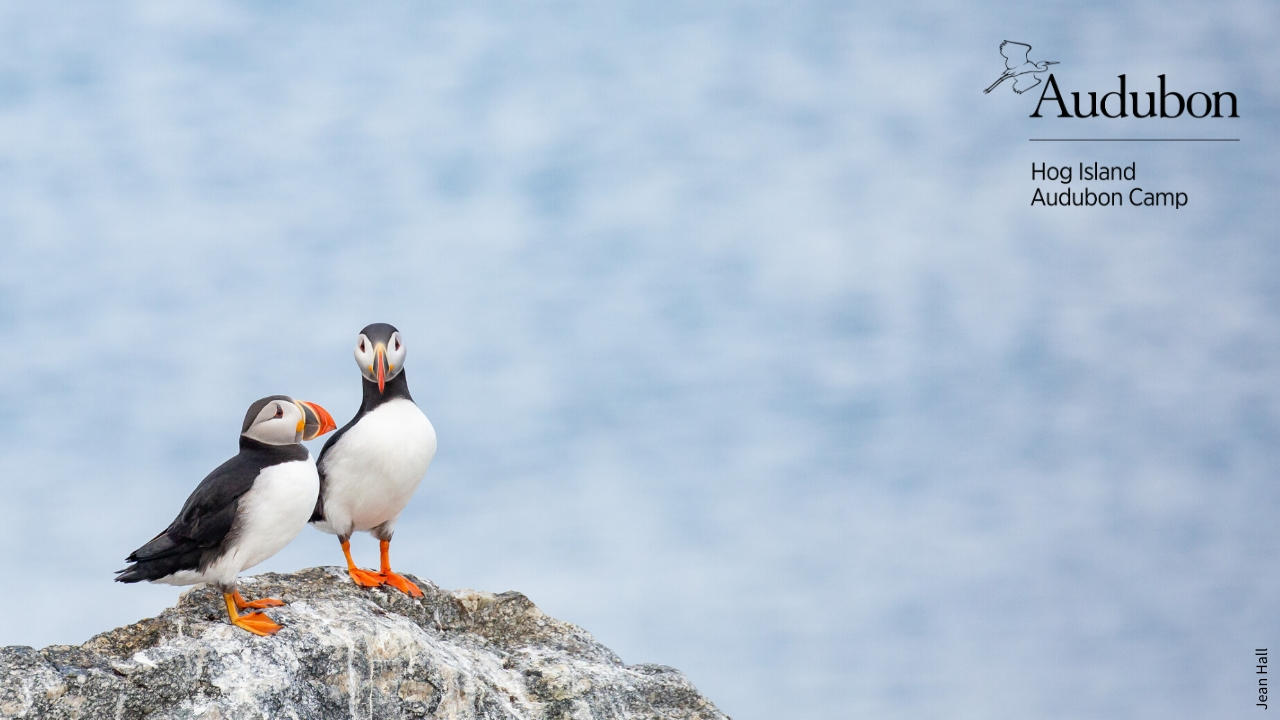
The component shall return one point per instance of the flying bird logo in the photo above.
(1019, 66)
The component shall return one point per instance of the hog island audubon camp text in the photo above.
(1132, 196)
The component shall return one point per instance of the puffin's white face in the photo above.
(380, 360)
(280, 420)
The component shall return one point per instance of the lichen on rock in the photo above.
(344, 652)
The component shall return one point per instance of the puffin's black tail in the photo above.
(131, 574)
(160, 557)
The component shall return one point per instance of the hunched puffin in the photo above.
(370, 468)
(244, 511)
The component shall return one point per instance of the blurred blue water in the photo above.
(744, 350)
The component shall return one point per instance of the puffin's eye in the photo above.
(279, 411)
(397, 342)
(361, 344)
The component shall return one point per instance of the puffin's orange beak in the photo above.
(318, 421)
(381, 362)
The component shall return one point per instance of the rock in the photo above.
(344, 652)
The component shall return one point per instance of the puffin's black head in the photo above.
(380, 353)
(281, 420)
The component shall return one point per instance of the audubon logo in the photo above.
(1119, 103)
(1019, 66)
(1090, 183)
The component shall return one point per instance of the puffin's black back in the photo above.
(196, 537)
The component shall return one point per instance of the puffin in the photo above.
(370, 468)
(243, 512)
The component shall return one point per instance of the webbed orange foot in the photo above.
(256, 623)
(366, 578)
(393, 578)
(402, 583)
(363, 578)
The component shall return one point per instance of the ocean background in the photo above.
(745, 349)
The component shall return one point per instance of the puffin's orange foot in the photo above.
(366, 578)
(241, 603)
(402, 583)
(256, 623)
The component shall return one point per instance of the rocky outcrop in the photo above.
(344, 652)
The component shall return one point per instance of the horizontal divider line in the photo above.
(1133, 139)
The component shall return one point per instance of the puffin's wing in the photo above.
(1015, 53)
(203, 523)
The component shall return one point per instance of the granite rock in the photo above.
(344, 652)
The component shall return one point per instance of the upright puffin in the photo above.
(370, 468)
(244, 511)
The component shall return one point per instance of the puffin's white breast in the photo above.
(372, 471)
(268, 517)
(276, 509)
